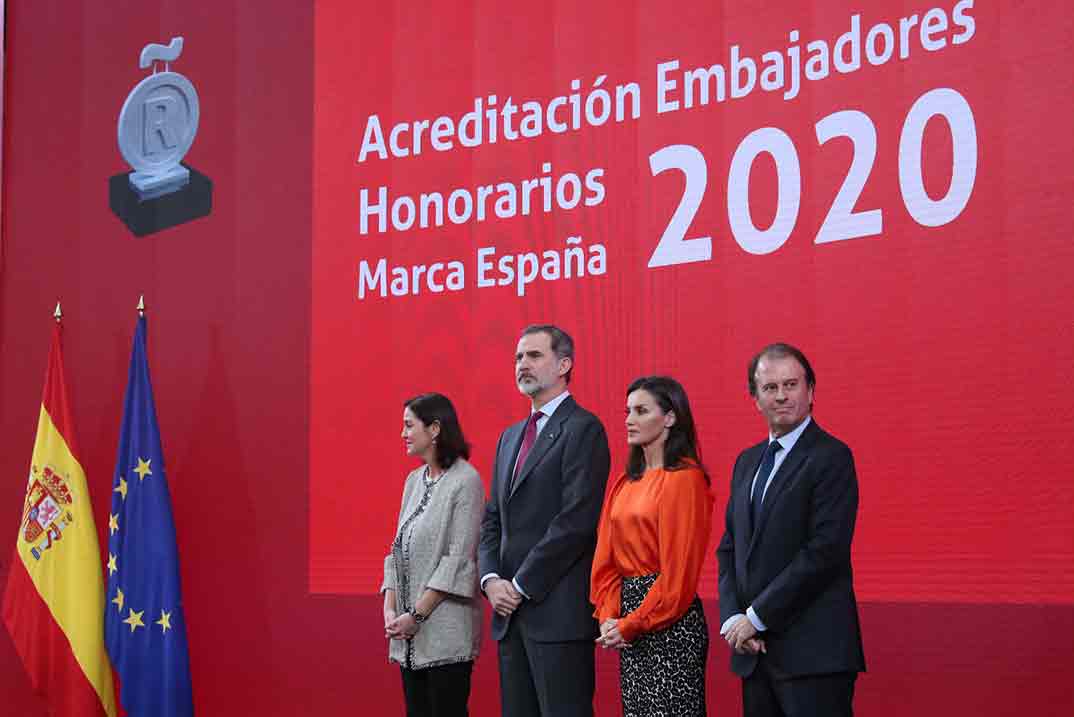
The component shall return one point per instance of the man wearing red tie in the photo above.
(538, 535)
(787, 601)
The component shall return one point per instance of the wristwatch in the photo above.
(418, 617)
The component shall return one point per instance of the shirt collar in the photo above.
(549, 408)
(789, 439)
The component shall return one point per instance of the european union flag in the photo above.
(144, 626)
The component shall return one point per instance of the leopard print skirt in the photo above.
(662, 674)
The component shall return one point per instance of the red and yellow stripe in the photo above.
(54, 603)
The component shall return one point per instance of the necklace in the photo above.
(428, 478)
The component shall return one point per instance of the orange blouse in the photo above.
(657, 524)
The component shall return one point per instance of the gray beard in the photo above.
(530, 388)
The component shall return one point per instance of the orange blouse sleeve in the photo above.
(605, 581)
(685, 523)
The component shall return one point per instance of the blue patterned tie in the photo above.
(767, 462)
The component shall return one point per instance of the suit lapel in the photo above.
(513, 440)
(548, 435)
(742, 508)
(784, 477)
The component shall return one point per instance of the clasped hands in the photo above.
(610, 637)
(502, 596)
(742, 637)
(399, 627)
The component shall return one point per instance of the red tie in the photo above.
(528, 439)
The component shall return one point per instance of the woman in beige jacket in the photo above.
(432, 617)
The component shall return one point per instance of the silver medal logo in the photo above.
(156, 128)
(158, 123)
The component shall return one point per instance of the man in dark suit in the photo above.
(538, 536)
(786, 586)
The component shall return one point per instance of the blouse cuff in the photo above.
(389, 574)
(628, 628)
(454, 575)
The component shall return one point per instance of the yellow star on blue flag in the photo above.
(153, 665)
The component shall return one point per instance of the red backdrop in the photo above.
(937, 332)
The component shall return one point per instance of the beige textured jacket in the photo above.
(436, 547)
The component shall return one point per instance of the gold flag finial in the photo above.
(57, 313)
(141, 305)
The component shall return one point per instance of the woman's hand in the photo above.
(389, 609)
(402, 627)
(610, 636)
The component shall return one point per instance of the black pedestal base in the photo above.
(144, 217)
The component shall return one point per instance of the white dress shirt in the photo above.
(545, 412)
(787, 441)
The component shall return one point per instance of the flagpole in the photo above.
(145, 627)
(54, 599)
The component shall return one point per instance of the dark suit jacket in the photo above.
(794, 567)
(543, 531)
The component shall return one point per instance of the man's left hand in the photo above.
(740, 632)
(503, 596)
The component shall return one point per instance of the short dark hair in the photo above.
(779, 350)
(560, 341)
(681, 443)
(433, 408)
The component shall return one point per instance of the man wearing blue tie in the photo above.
(787, 601)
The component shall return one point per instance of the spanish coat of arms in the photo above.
(46, 512)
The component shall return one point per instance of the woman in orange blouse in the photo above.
(651, 542)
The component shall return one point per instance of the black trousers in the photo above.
(545, 679)
(767, 695)
(438, 691)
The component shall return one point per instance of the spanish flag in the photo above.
(54, 599)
